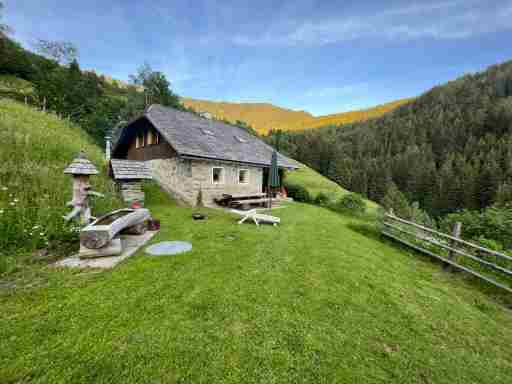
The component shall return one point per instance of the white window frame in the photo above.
(247, 173)
(222, 176)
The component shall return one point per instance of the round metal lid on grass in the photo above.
(166, 248)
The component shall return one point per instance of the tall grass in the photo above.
(34, 150)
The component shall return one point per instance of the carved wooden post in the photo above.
(81, 169)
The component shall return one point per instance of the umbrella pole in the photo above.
(269, 192)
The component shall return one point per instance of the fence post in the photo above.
(457, 229)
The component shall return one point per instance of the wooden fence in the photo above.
(491, 266)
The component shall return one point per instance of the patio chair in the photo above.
(256, 217)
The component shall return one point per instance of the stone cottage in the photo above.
(187, 153)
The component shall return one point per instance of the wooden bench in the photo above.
(247, 203)
(245, 196)
(226, 199)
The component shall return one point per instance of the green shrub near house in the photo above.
(316, 184)
(298, 192)
(352, 203)
(322, 199)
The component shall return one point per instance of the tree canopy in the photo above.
(449, 149)
(97, 105)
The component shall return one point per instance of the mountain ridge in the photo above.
(265, 117)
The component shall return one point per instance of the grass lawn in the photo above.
(312, 300)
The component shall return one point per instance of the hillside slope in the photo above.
(315, 183)
(263, 116)
(310, 301)
(34, 150)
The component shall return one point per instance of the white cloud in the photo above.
(423, 8)
(448, 20)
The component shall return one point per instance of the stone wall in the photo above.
(183, 179)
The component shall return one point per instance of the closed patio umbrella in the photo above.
(273, 177)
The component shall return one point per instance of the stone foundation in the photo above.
(184, 178)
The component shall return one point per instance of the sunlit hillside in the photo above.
(349, 117)
(264, 116)
(261, 116)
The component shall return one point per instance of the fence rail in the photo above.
(456, 248)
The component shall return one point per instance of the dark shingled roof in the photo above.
(130, 169)
(194, 136)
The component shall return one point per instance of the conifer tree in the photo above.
(396, 200)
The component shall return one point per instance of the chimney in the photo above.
(108, 139)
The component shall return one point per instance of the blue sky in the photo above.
(319, 56)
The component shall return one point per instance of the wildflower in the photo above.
(30, 234)
(4, 188)
(1, 211)
(12, 203)
(16, 200)
(41, 234)
(35, 227)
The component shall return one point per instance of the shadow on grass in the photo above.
(368, 229)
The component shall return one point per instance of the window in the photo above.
(186, 168)
(217, 175)
(243, 176)
(140, 140)
(207, 132)
(147, 138)
(150, 138)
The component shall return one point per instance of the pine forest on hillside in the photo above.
(449, 149)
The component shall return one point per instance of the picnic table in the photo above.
(242, 200)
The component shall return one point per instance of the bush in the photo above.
(421, 217)
(351, 203)
(492, 223)
(322, 199)
(298, 193)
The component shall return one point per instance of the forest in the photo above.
(448, 150)
(52, 80)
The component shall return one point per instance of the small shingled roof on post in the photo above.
(81, 166)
